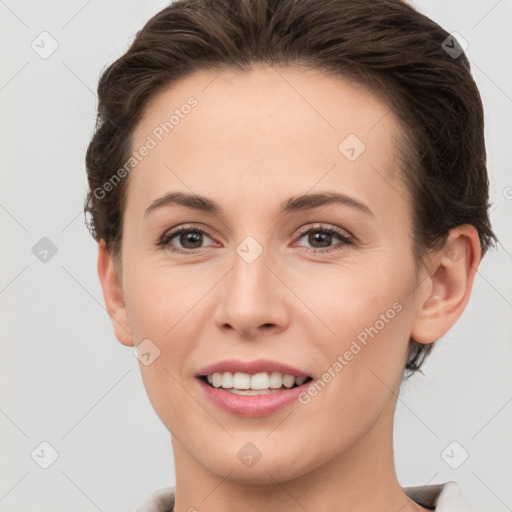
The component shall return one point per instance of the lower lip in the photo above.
(252, 405)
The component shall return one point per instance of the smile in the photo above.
(257, 384)
(250, 402)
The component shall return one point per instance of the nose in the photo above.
(252, 298)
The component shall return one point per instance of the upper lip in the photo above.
(251, 367)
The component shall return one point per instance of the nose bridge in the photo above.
(250, 276)
(250, 295)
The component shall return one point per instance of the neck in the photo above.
(359, 479)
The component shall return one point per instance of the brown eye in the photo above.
(186, 239)
(190, 239)
(321, 239)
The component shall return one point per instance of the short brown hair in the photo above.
(384, 45)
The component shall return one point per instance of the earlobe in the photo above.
(448, 286)
(113, 295)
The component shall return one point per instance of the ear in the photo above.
(113, 295)
(446, 290)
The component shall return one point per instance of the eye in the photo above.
(190, 238)
(323, 235)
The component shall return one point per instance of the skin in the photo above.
(254, 140)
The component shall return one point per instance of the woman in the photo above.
(290, 201)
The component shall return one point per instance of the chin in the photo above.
(276, 465)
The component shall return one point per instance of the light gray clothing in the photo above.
(445, 497)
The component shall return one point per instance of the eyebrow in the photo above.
(293, 204)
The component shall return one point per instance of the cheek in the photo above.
(361, 367)
(156, 299)
(368, 316)
(167, 306)
(356, 295)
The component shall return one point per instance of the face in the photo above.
(327, 287)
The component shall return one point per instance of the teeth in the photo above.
(217, 380)
(227, 380)
(300, 380)
(257, 382)
(240, 380)
(252, 391)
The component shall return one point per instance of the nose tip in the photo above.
(251, 299)
(248, 328)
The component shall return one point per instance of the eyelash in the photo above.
(168, 236)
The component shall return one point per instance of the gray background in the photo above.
(66, 380)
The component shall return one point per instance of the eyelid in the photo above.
(172, 232)
(325, 227)
(345, 237)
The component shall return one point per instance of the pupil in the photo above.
(186, 237)
(317, 237)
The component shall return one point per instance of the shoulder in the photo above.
(445, 497)
(161, 500)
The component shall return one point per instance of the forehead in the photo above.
(270, 129)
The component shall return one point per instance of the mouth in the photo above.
(262, 383)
